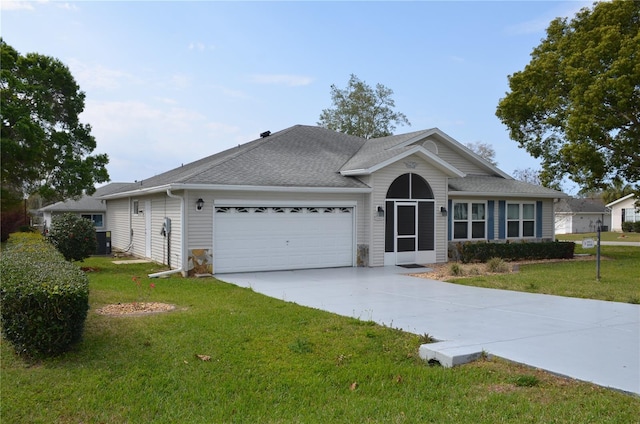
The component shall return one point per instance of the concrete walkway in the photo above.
(589, 340)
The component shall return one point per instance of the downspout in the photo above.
(182, 225)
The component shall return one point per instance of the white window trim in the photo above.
(135, 210)
(91, 215)
(469, 220)
(520, 220)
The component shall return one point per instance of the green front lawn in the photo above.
(608, 236)
(271, 362)
(619, 276)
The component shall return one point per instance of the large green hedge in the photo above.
(481, 251)
(44, 299)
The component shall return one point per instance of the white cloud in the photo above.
(199, 46)
(16, 5)
(97, 76)
(66, 6)
(144, 139)
(180, 81)
(281, 79)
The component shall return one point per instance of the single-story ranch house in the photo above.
(575, 215)
(624, 209)
(309, 197)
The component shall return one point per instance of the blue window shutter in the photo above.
(539, 219)
(490, 220)
(450, 220)
(502, 219)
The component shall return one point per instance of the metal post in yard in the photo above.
(599, 228)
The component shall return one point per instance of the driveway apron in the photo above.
(589, 340)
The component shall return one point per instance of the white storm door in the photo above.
(406, 232)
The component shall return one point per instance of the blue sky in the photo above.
(170, 82)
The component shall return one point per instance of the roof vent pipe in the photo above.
(265, 134)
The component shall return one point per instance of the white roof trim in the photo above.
(448, 169)
(457, 145)
(501, 194)
(622, 199)
(225, 187)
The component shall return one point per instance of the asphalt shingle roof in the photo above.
(312, 157)
(573, 205)
(87, 203)
(300, 156)
(498, 185)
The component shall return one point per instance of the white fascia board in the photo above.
(223, 187)
(448, 169)
(501, 194)
(280, 189)
(622, 199)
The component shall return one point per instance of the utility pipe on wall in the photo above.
(182, 226)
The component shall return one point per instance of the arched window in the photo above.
(409, 186)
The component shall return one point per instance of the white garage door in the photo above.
(280, 238)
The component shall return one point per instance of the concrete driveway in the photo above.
(589, 340)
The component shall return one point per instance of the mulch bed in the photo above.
(135, 308)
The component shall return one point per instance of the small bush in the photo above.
(44, 299)
(497, 265)
(456, 269)
(73, 236)
(636, 226)
(628, 227)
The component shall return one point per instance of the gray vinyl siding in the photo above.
(118, 222)
(453, 158)
(138, 228)
(165, 206)
(382, 179)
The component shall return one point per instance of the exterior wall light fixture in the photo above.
(199, 204)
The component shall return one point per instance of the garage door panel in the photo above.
(282, 238)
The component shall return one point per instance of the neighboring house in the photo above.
(574, 215)
(309, 197)
(89, 207)
(623, 210)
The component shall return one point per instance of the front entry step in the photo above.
(450, 354)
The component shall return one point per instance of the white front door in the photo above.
(406, 232)
(147, 228)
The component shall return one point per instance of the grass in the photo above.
(608, 236)
(619, 272)
(271, 362)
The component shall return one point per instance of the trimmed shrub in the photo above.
(628, 227)
(73, 236)
(636, 226)
(482, 251)
(44, 299)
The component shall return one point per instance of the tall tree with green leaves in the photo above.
(45, 148)
(362, 111)
(576, 105)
